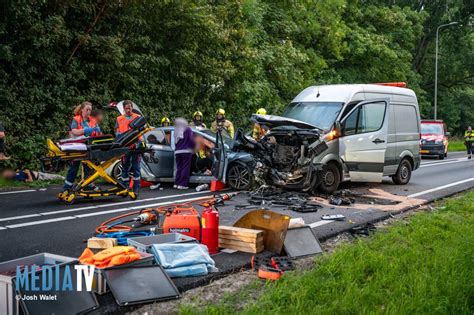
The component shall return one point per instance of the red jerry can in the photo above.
(210, 229)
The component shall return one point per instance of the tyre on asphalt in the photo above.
(403, 174)
(330, 178)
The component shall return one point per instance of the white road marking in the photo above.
(319, 223)
(98, 206)
(17, 191)
(14, 226)
(440, 187)
(21, 217)
(442, 163)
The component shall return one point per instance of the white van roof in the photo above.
(351, 92)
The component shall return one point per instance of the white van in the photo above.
(372, 130)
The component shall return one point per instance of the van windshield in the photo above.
(319, 114)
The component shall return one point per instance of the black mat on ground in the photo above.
(301, 242)
(137, 285)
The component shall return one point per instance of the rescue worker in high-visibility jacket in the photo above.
(130, 160)
(468, 139)
(222, 123)
(259, 131)
(198, 121)
(83, 124)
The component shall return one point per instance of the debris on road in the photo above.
(337, 217)
(363, 230)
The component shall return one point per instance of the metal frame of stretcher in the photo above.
(100, 153)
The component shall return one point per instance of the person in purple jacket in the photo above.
(184, 150)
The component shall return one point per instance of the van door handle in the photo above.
(377, 141)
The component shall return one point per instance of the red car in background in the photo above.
(434, 138)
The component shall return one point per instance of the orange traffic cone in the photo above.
(217, 185)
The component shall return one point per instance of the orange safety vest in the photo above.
(123, 122)
(79, 120)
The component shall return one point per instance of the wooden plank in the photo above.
(101, 243)
(240, 238)
(241, 244)
(232, 230)
(242, 247)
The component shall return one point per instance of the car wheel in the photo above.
(330, 178)
(239, 176)
(117, 171)
(403, 174)
(441, 156)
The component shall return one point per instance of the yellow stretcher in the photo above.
(97, 154)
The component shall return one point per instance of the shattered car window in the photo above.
(319, 114)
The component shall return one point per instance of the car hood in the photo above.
(273, 121)
(430, 136)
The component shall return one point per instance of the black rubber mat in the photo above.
(144, 284)
(301, 242)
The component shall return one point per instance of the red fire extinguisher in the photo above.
(210, 229)
(210, 222)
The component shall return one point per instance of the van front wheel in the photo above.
(403, 174)
(330, 178)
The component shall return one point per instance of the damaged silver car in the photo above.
(283, 158)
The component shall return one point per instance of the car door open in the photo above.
(364, 140)
(220, 160)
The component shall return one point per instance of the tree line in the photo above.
(175, 57)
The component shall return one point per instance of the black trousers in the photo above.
(2, 145)
(468, 147)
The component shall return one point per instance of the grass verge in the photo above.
(424, 265)
(456, 145)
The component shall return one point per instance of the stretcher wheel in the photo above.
(70, 198)
(132, 195)
(62, 195)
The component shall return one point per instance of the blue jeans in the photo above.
(131, 161)
(72, 173)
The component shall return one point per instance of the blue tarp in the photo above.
(183, 260)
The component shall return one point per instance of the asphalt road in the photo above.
(34, 221)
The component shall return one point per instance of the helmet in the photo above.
(197, 113)
(261, 111)
(165, 120)
(220, 111)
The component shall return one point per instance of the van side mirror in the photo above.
(447, 134)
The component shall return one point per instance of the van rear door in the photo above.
(363, 143)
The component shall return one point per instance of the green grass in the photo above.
(424, 266)
(456, 145)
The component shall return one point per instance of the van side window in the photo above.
(370, 117)
(366, 118)
(350, 124)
